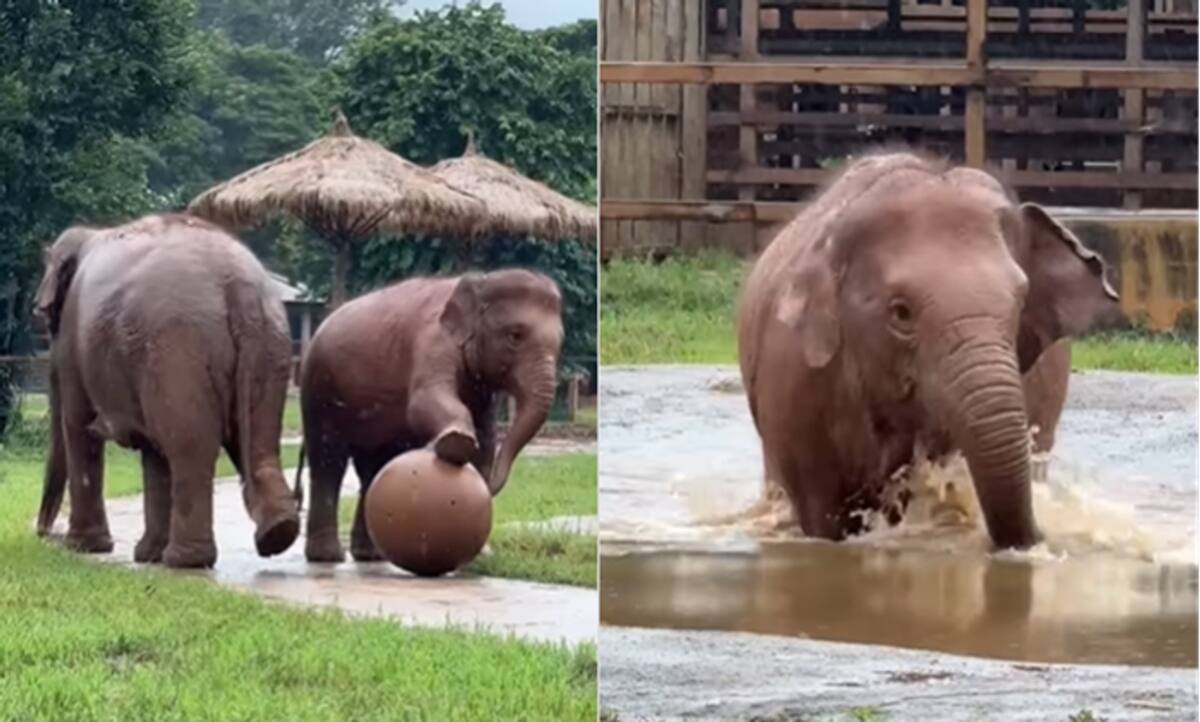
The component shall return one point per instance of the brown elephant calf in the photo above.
(420, 364)
(165, 338)
(912, 307)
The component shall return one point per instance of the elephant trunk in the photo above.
(534, 394)
(985, 411)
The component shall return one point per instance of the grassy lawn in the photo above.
(36, 406)
(539, 488)
(85, 641)
(682, 311)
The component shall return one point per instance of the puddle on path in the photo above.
(1116, 581)
(547, 612)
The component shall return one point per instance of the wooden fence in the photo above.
(720, 115)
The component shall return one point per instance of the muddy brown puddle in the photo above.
(1115, 583)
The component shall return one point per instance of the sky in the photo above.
(528, 14)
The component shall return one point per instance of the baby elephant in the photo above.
(420, 364)
(912, 308)
(165, 338)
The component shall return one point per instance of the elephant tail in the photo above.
(55, 482)
(299, 490)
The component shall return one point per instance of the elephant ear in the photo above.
(460, 317)
(1068, 287)
(61, 261)
(808, 306)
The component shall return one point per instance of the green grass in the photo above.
(539, 488)
(35, 406)
(1130, 351)
(682, 311)
(81, 640)
(678, 311)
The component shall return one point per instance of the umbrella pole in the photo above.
(342, 260)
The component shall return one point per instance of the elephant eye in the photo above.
(515, 335)
(901, 313)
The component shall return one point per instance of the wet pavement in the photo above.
(659, 674)
(505, 607)
(1115, 583)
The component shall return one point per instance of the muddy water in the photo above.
(1115, 582)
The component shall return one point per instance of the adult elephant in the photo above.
(420, 363)
(905, 311)
(165, 338)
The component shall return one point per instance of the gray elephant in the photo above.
(912, 306)
(420, 364)
(165, 338)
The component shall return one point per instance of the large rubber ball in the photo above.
(427, 515)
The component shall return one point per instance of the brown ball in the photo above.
(427, 515)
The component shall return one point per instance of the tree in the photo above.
(248, 104)
(82, 84)
(419, 85)
(315, 31)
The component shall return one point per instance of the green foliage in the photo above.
(419, 85)
(81, 85)
(248, 105)
(313, 30)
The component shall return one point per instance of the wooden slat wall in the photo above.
(653, 134)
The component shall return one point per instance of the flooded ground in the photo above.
(1115, 583)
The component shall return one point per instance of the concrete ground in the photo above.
(547, 612)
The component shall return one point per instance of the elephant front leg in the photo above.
(436, 413)
(88, 524)
(366, 466)
(156, 498)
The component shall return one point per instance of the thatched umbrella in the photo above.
(344, 188)
(516, 205)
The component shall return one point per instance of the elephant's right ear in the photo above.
(808, 305)
(460, 316)
(61, 261)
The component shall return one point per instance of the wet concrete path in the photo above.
(659, 674)
(1115, 585)
(532, 610)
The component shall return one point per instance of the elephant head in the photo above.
(932, 304)
(509, 325)
(62, 258)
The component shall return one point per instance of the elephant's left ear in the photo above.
(1068, 285)
(459, 317)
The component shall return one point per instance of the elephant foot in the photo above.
(149, 550)
(365, 553)
(455, 446)
(324, 550)
(89, 542)
(276, 536)
(200, 555)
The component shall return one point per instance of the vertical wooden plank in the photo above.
(626, 39)
(1135, 98)
(693, 125)
(975, 135)
(748, 136)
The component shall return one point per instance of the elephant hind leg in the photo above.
(367, 465)
(88, 525)
(184, 420)
(156, 497)
(87, 529)
(327, 460)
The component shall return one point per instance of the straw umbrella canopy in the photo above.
(345, 188)
(516, 205)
